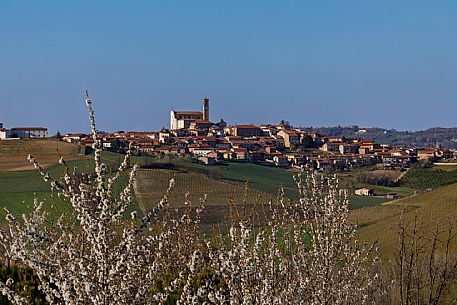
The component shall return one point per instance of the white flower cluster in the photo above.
(102, 253)
(11, 295)
(306, 255)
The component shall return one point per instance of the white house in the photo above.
(74, 137)
(202, 151)
(4, 133)
(364, 191)
(29, 132)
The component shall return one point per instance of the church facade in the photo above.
(184, 119)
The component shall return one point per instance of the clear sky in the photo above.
(386, 63)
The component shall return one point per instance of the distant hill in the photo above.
(442, 137)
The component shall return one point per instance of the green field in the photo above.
(226, 182)
(357, 202)
(20, 203)
(264, 178)
(17, 189)
(39, 147)
(397, 190)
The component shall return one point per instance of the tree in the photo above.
(308, 142)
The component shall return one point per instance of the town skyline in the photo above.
(165, 122)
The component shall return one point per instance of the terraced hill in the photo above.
(151, 184)
(220, 195)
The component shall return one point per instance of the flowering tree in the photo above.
(305, 255)
(98, 254)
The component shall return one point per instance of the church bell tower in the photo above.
(206, 109)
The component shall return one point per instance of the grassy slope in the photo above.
(266, 179)
(263, 178)
(447, 168)
(20, 203)
(38, 147)
(435, 208)
(17, 189)
(357, 202)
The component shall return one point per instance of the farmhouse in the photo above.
(364, 191)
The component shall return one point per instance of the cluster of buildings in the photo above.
(22, 132)
(341, 152)
(192, 133)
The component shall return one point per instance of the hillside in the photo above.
(446, 137)
(264, 178)
(434, 208)
(429, 178)
(220, 194)
(17, 189)
(13, 153)
(152, 183)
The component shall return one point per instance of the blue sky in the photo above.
(387, 63)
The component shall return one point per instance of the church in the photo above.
(184, 119)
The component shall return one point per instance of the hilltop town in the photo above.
(193, 134)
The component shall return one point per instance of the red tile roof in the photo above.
(245, 126)
(30, 128)
(239, 149)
